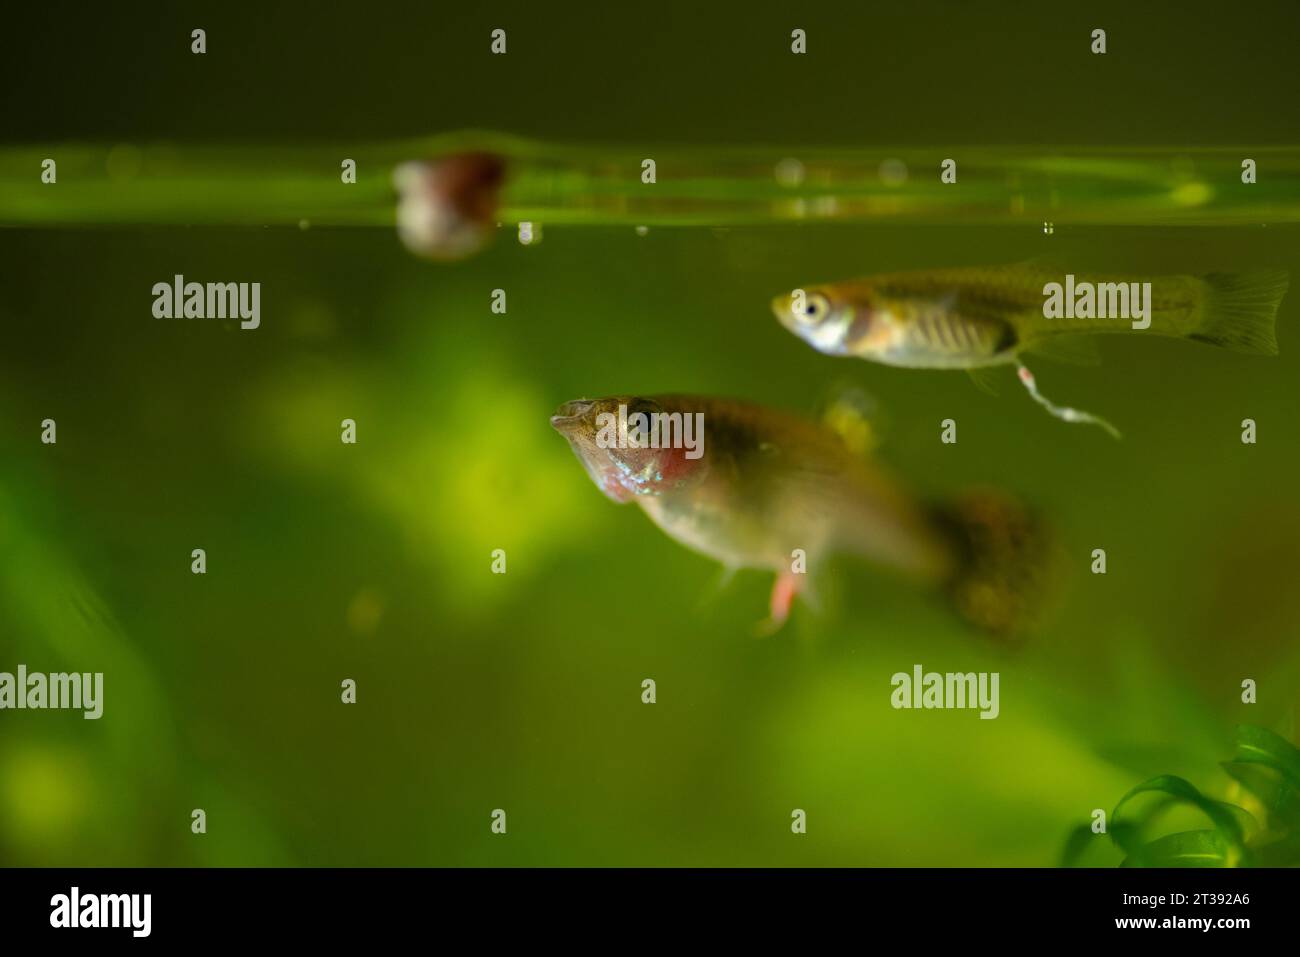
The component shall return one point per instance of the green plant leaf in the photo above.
(1247, 822)
(1126, 835)
(1076, 844)
(1257, 745)
(1227, 822)
(1281, 851)
(1274, 790)
(1185, 849)
(1266, 766)
(1079, 844)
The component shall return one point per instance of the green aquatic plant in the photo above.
(1259, 826)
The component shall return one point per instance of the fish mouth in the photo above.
(571, 415)
(781, 309)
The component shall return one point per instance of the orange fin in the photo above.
(784, 590)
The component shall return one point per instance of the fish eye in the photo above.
(815, 309)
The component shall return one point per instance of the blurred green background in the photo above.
(522, 691)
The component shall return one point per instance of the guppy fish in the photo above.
(769, 483)
(973, 318)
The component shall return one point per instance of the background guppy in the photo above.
(523, 690)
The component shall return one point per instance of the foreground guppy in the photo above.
(980, 317)
(760, 487)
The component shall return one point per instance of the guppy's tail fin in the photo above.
(1240, 310)
(1008, 563)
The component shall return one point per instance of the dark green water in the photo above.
(522, 692)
